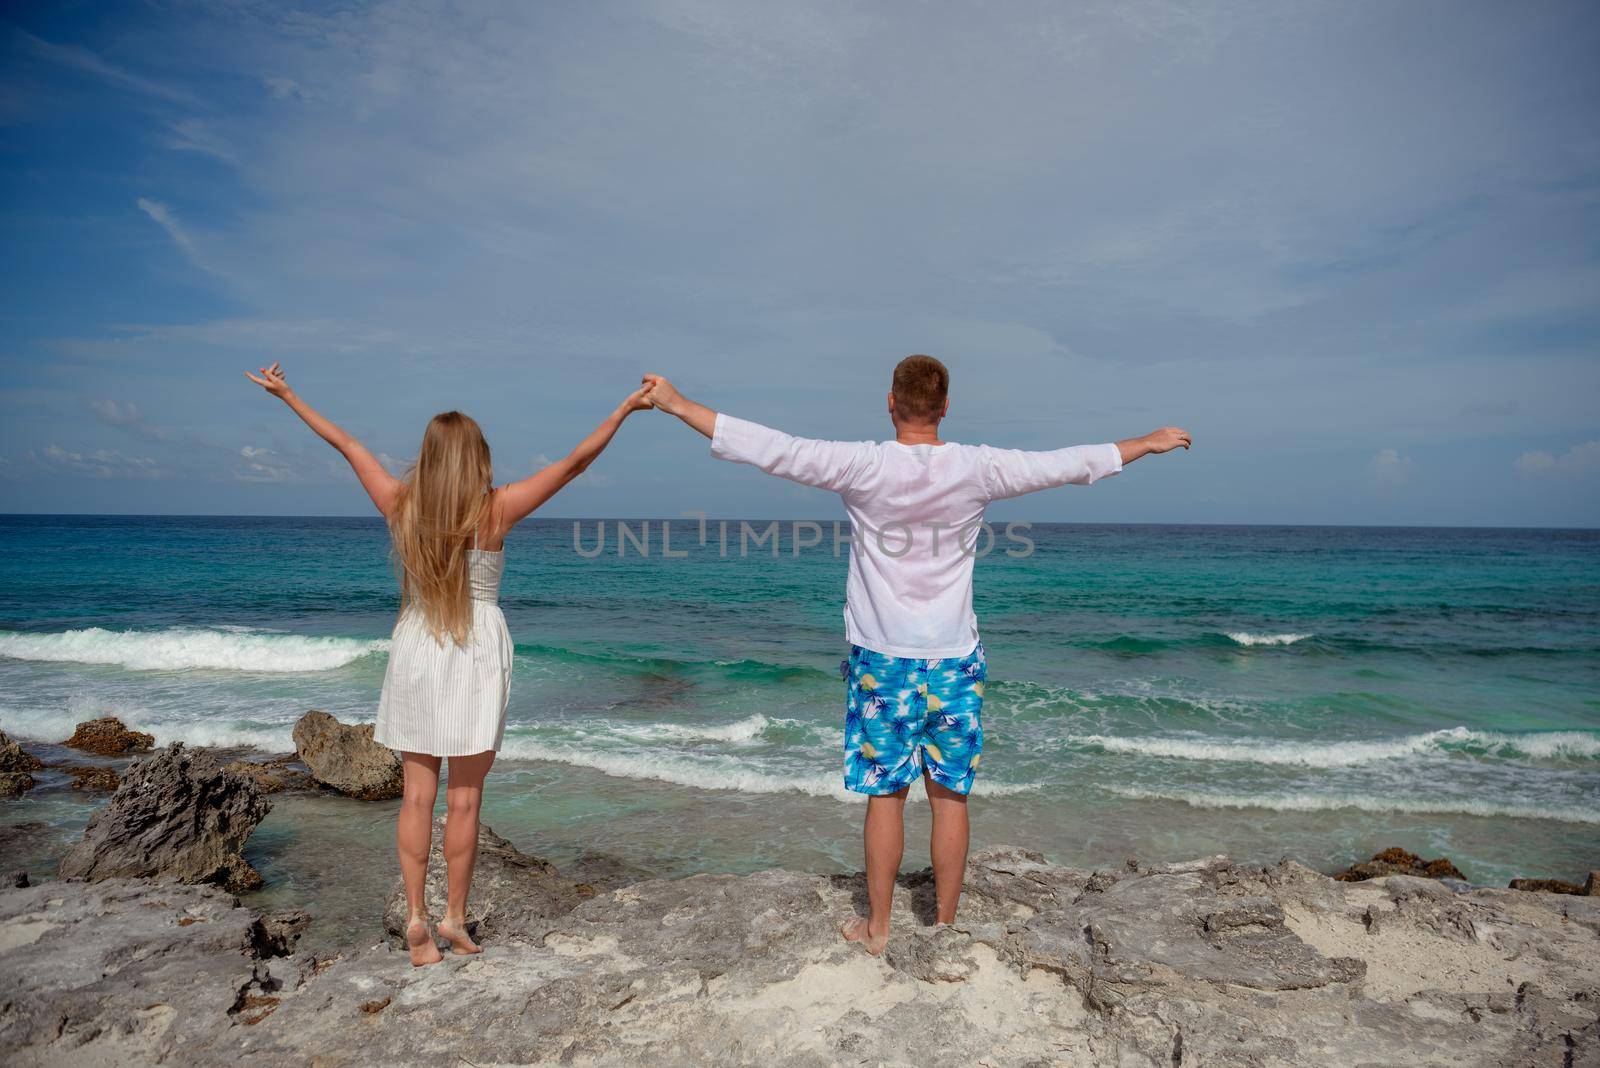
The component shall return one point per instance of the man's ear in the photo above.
(892, 415)
(946, 409)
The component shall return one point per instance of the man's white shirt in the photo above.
(915, 512)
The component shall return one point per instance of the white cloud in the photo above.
(81, 59)
(259, 464)
(285, 89)
(288, 334)
(1391, 469)
(197, 135)
(168, 221)
(1535, 462)
(125, 416)
(1578, 460)
(98, 463)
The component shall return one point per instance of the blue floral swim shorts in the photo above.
(906, 716)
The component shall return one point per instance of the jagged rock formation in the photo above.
(15, 763)
(177, 815)
(1207, 963)
(15, 758)
(345, 757)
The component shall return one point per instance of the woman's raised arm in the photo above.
(515, 502)
(380, 485)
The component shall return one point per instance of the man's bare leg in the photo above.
(948, 846)
(885, 839)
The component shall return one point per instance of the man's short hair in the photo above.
(921, 384)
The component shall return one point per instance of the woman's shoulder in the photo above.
(493, 530)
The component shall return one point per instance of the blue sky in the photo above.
(1354, 247)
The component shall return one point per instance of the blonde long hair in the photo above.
(443, 501)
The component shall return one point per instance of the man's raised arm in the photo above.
(830, 465)
(1013, 472)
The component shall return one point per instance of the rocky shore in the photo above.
(1189, 964)
(147, 957)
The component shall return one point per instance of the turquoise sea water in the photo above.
(1160, 691)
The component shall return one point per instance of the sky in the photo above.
(1353, 247)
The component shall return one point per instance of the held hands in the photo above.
(664, 396)
(1166, 439)
(271, 379)
(637, 401)
(661, 393)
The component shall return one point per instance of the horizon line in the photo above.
(812, 519)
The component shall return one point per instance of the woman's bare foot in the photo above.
(455, 932)
(419, 940)
(855, 929)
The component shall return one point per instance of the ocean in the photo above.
(1162, 692)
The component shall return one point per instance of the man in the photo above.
(916, 669)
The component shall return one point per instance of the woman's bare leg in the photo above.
(413, 839)
(949, 846)
(462, 797)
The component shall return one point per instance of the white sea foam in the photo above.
(1245, 638)
(1257, 750)
(55, 725)
(1306, 802)
(743, 730)
(704, 773)
(1548, 745)
(187, 648)
(1539, 745)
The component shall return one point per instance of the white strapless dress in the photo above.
(450, 700)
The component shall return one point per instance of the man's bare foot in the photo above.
(419, 940)
(855, 930)
(455, 932)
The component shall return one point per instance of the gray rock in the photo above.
(513, 896)
(122, 972)
(1185, 923)
(345, 757)
(941, 954)
(280, 931)
(177, 815)
(1206, 964)
(603, 871)
(1188, 965)
(1591, 885)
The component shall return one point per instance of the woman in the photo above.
(449, 674)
